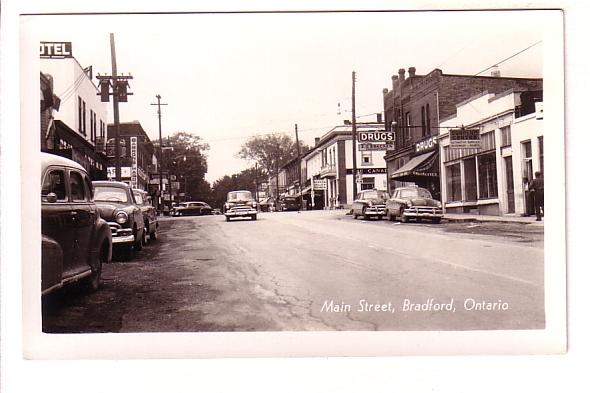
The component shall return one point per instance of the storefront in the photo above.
(470, 178)
(421, 169)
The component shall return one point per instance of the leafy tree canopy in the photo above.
(270, 151)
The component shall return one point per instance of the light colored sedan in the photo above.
(413, 203)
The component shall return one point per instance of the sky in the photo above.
(227, 77)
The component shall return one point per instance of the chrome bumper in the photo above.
(121, 235)
(244, 212)
(426, 212)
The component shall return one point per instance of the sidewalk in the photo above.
(481, 218)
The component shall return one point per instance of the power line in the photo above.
(509, 57)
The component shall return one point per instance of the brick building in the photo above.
(413, 109)
(137, 156)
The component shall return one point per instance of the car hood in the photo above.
(241, 202)
(423, 202)
(376, 201)
(108, 209)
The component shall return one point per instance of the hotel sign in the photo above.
(462, 138)
(55, 50)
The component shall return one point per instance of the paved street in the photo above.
(319, 270)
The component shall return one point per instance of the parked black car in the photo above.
(287, 203)
(75, 241)
(191, 209)
(119, 209)
(150, 215)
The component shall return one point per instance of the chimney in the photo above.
(495, 71)
(316, 141)
(402, 74)
(379, 118)
(394, 79)
(412, 72)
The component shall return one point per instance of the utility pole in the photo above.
(161, 199)
(354, 186)
(256, 182)
(299, 166)
(119, 84)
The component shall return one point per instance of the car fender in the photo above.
(102, 233)
(51, 264)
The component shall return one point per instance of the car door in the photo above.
(57, 224)
(357, 205)
(396, 202)
(83, 216)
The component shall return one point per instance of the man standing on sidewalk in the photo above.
(537, 188)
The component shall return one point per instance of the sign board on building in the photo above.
(376, 146)
(125, 172)
(426, 145)
(375, 136)
(368, 171)
(133, 143)
(320, 184)
(55, 50)
(463, 138)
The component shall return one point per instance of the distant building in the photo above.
(413, 109)
(329, 165)
(77, 131)
(137, 155)
(492, 176)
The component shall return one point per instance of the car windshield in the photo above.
(376, 194)
(416, 193)
(110, 194)
(138, 197)
(239, 196)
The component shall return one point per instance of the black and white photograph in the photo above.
(296, 172)
(292, 197)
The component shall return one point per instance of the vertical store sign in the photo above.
(134, 162)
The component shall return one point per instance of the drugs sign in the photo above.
(462, 138)
(375, 136)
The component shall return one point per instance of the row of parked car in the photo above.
(83, 222)
(406, 203)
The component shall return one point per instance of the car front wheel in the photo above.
(402, 217)
(92, 282)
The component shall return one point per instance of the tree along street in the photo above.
(315, 270)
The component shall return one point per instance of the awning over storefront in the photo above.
(305, 191)
(424, 165)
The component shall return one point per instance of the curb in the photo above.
(474, 219)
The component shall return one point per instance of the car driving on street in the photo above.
(413, 203)
(370, 203)
(75, 241)
(150, 216)
(240, 204)
(118, 208)
(192, 209)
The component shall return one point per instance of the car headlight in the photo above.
(121, 217)
(409, 203)
(254, 204)
(370, 203)
(438, 204)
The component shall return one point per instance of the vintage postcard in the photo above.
(253, 184)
